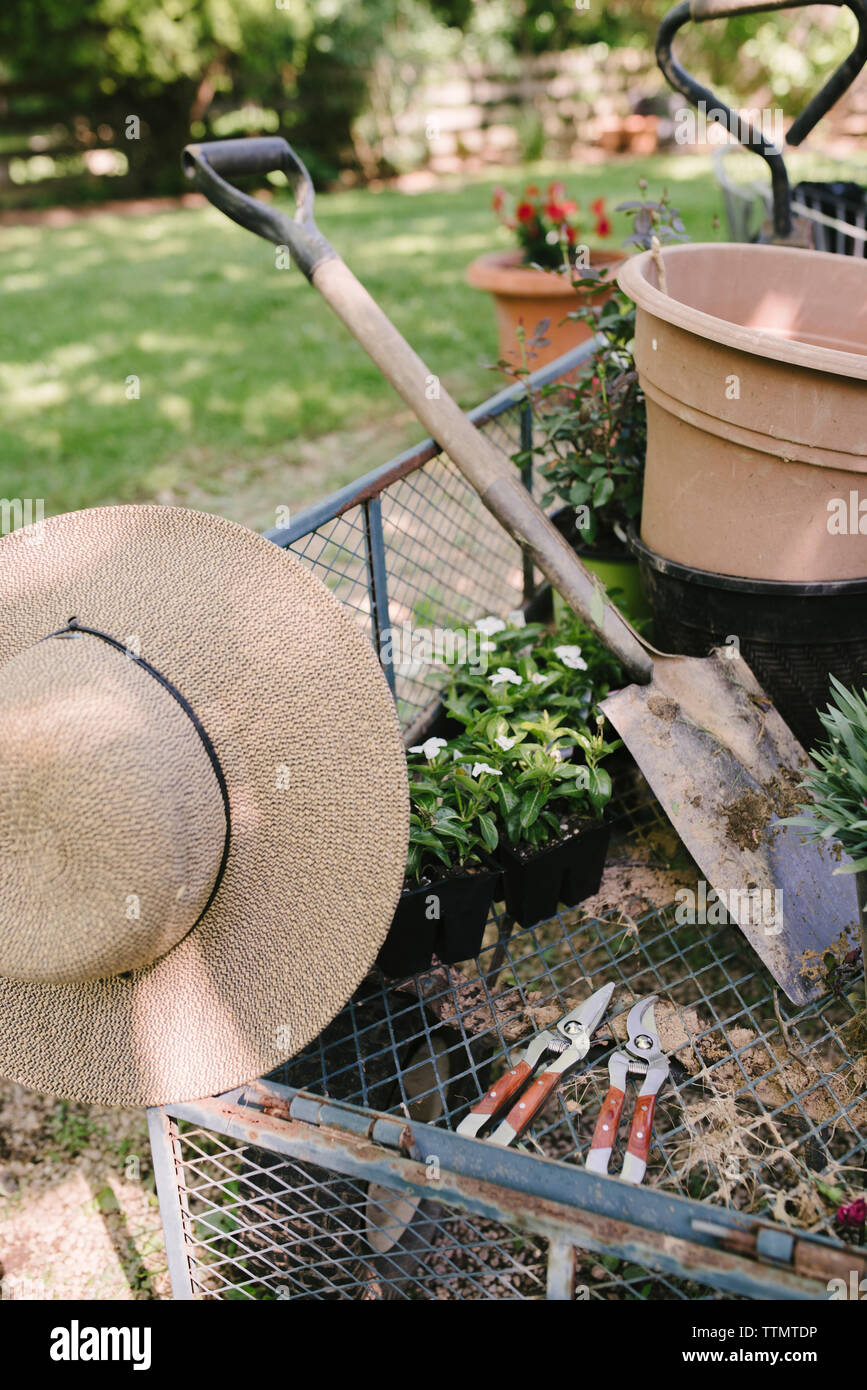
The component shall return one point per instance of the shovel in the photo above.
(715, 752)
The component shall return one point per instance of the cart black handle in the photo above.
(210, 165)
(680, 80)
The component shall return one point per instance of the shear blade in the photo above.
(589, 1013)
(641, 1018)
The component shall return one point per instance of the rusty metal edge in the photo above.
(519, 1190)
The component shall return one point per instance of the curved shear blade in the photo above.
(641, 1024)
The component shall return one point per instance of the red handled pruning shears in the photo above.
(566, 1044)
(643, 1057)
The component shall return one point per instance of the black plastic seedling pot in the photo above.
(567, 872)
(446, 918)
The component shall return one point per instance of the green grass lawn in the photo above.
(252, 395)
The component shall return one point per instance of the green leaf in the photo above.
(531, 807)
(488, 828)
(603, 490)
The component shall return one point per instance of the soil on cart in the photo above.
(748, 818)
(570, 828)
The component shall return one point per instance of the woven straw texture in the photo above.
(304, 727)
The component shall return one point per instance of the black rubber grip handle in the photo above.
(210, 167)
(747, 134)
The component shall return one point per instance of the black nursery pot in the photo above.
(793, 636)
(414, 937)
(567, 872)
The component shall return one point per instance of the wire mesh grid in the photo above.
(267, 1228)
(764, 1109)
(446, 559)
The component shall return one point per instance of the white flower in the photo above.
(505, 743)
(538, 679)
(571, 657)
(504, 675)
(490, 625)
(430, 747)
(479, 768)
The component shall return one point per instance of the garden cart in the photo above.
(277, 1190)
(832, 215)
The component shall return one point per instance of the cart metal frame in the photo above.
(267, 1191)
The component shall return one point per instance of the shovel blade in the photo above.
(725, 767)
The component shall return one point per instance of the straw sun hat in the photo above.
(203, 805)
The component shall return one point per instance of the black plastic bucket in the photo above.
(793, 636)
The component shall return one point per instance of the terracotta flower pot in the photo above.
(525, 296)
(754, 365)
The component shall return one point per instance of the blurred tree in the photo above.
(309, 67)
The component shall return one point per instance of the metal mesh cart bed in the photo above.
(340, 1175)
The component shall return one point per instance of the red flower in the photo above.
(531, 191)
(603, 227)
(525, 212)
(556, 190)
(852, 1214)
(569, 207)
(597, 207)
(555, 211)
(497, 200)
(570, 235)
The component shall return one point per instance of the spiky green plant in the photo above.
(838, 788)
(838, 783)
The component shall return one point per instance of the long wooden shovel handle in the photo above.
(488, 473)
(484, 467)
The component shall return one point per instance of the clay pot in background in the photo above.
(526, 296)
(628, 134)
(754, 366)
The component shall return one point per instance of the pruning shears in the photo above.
(562, 1047)
(643, 1056)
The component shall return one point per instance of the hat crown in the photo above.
(112, 819)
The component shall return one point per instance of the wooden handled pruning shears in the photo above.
(566, 1044)
(643, 1056)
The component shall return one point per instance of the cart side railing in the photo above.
(410, 542)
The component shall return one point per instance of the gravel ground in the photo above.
(78, 1212)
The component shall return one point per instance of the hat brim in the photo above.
(301, 718)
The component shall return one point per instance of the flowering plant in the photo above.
(594, 429)
(546, 224)
(452, 809)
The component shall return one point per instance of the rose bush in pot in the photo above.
(528, 284)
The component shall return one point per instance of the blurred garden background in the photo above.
(150, 351)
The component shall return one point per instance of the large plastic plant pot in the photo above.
(754, 366)
(793, 636)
